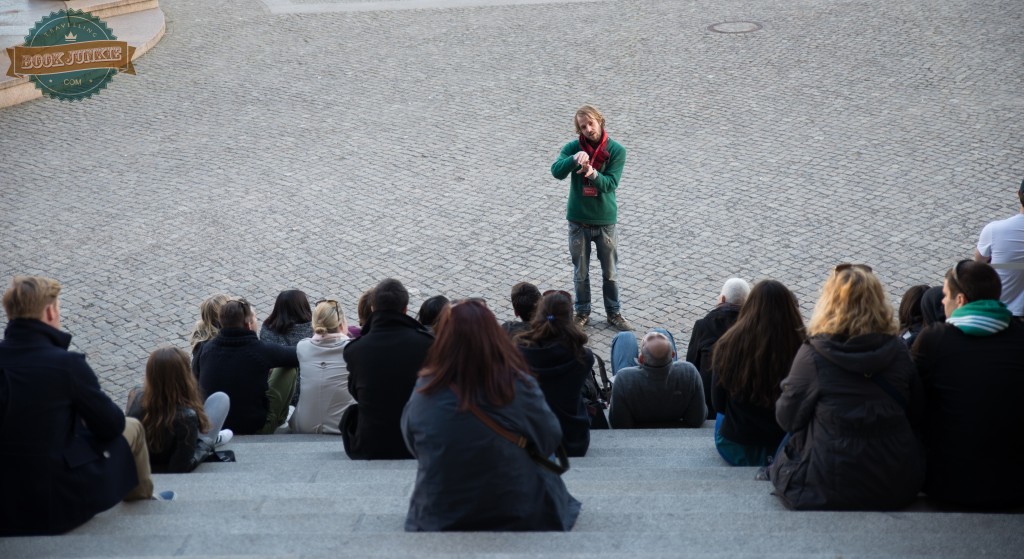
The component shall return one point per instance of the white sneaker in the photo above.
(224, 437)
(291, 411)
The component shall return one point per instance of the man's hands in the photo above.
(583, 160)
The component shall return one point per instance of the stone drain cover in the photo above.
(735, 27)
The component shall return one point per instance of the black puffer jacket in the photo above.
(852, 445)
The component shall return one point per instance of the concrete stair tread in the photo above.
(299, 495)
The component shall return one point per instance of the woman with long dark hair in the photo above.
(555, 349)
(748, 363)
(474, 383)
(181, 429)
(290, 322)
(849, 403)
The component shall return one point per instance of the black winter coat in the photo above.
(471, 479)
(62, 454)
(706, 332)
(561, 376)
(975, 427)
(383, 364)
(237, 363)
(852, 446)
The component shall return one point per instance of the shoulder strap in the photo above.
(559, 467)
(606, 385)
(511, 437)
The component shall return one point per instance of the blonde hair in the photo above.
(589, 111)
(852, 303)
(208, 325)
(328, 317)
(28, 296)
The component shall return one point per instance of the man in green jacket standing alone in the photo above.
(594, 162)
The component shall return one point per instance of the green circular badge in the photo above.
(65, 29)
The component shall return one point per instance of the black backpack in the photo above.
(597, 395)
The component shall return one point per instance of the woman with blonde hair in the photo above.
(181, 429)
(848, 404)
(323, 372)
(208, 325)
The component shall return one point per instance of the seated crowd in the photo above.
(861, 409)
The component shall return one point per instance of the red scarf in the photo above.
(598, 155)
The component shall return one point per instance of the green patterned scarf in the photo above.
(981, 318)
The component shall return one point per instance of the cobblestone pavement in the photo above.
(260, 150)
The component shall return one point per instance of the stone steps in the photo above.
(656, 493)
(139, 22)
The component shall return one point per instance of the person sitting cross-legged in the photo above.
(66, 450)
(181, 429)
(238, 363)
(972, 368)
(660, 392)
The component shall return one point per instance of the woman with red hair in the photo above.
(474, 390)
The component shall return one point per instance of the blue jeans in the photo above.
(737, 454)
(625, 349)
(603, 236)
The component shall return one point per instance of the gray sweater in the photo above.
(654, 397)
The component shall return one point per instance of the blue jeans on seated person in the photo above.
(603, 237)
(738, 454)
(626, 350)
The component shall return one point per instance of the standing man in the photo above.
(594, 162)
(1001, 244)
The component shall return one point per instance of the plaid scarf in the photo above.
(981, 318)
(599, 154)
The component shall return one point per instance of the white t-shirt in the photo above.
(1003, 242)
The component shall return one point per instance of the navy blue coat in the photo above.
(471, 479)
(62, 454)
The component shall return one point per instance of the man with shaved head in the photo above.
(660, 391)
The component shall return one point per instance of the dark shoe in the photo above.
(620, 324)
(582, 320)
